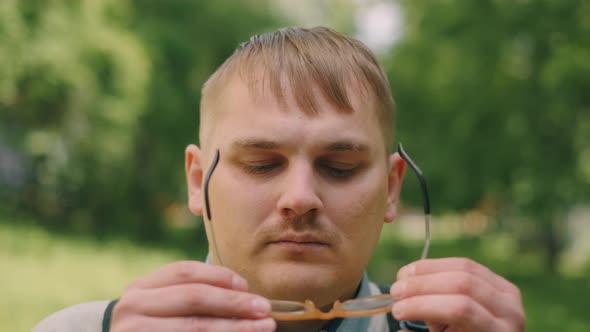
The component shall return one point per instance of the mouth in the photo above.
(299, 242)
(302, 239)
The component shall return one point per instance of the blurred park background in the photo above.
(98, 99)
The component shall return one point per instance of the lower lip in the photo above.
(299, 246)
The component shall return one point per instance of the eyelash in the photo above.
(260, 169)
(340, 173)
(267, 169)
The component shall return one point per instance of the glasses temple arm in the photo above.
(207, 206)
(206, 185)
(425, 197)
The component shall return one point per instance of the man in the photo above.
(302, 123)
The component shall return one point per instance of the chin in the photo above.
(297, 281)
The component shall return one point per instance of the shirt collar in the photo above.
(353, 323)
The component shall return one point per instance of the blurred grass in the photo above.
(43, 272)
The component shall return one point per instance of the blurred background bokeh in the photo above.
(98, 99)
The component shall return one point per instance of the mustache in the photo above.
(299, 225)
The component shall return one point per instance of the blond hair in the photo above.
(295, 57)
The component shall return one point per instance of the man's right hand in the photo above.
(191, 296)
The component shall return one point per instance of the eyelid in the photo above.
(341, 165)
(264, 166)
(339, 170)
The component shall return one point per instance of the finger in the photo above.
(194, 300)
(185, 272)
(437, 327)
(428, 266)
(191, 324)
(456, 282)
(454, 310)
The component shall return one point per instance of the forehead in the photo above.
(248, 109)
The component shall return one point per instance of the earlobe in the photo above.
(194, 178)
(397, 169)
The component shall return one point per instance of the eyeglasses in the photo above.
(365, 306)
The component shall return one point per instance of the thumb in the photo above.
(437, 327)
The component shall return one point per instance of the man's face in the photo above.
(298, 200)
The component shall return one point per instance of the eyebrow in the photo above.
(255, 144)
(263, 144)
(347, 146)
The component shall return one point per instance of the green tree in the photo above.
(98, 99)
(72, 84)
(493, 99)
(187, 41)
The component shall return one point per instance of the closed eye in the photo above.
(260, 168)
(339, 170)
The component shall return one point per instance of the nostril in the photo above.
(288, 214)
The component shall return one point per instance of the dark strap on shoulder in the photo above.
(106, 318)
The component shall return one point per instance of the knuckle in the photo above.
(226, 275)
(461, 310)
(134, 285)
(466, 284)
(516, 291)
(467, 265)
(242, 303)
(184, 270)
(193, 296)
(413, 269)
(124, 306)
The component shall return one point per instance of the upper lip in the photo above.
(299, 238)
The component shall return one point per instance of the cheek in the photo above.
(244, 207)
(363, 211)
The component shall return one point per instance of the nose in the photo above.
(299, 192)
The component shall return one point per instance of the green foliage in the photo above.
(493, 102)
(98, 100)
(72, 94)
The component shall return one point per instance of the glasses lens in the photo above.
(368, 303)
(287, 307)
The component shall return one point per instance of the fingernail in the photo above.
(265, 325)
(239, 283)
(398, 289)
(261, 307)
(398, 310)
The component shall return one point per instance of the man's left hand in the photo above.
(457, 295)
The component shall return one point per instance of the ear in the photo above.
(397, 169)
(194, 178)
